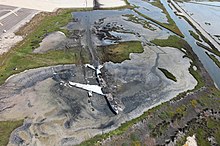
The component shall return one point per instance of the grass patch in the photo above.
(138, 20)
(21, 57)
(179, 43)
(201, 137)
(44, 23)
(208, 48)
(6, 127)
(172, 41)
(204, 127)
(194, 35)
(157, 130)
(119, 52)
(217, 62)
(175, 42)
(171, 25)
(213, 50)
(160, 129)
(123, 128)
(135, 137)
(198, 77)
(168, 74)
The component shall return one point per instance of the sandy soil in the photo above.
(51, 5)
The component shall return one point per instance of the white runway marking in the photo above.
(10, 12)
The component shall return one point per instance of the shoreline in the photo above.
(205, 36)
(174, 101)
(130, 116)
(149, 116)
(10, 38)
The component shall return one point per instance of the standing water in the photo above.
(210, 66)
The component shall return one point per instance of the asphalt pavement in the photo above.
(12, 16)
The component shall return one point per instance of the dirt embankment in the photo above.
(35, 22)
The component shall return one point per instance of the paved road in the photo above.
(12, 16)
(203, 32)
(4, 9)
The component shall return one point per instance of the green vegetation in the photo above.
(179, 43)
(213, 49)
(135, 137)
(159, 129)
(217, 62)
(163, 115)
(172, 41)
(171, 25)
(6, 127)
(175, 42)
(198, 78)
(126, 1)
(50, 22)
(138, 20)
(202, 139)
(194, 103)
(194, 35)
(166, 112)
(203, 129)
(119, 52)
(168, 74)
(21, 57)
(208, 49)
(123, 128)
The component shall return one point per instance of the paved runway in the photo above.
(3, 9)
(12, 16)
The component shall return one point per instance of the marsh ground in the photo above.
(55, 114)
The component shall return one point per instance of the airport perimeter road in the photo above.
(5, 9)
(203, 32)
(12, 16)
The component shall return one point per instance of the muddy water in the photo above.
(210, 66)
(210, 24)
(137, 84)
(126, 30)
(149, 10)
